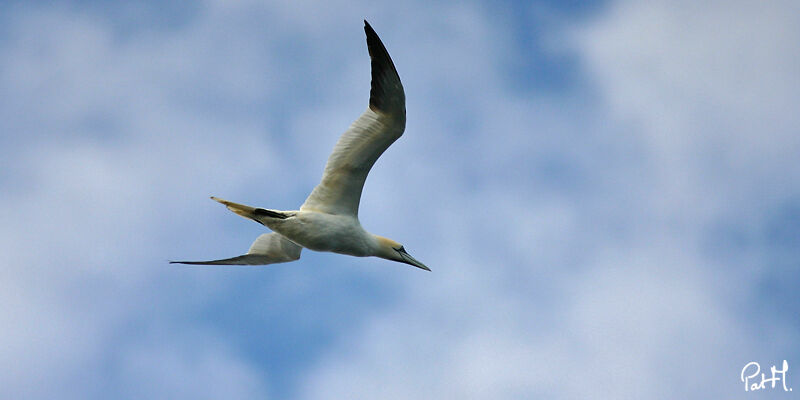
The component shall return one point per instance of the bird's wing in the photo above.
(367, 138)
(269, 248)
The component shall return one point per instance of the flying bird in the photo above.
(328, 219)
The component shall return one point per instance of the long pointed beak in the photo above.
(412, 261)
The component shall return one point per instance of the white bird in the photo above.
(328, 220)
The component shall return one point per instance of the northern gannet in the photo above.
(328, 220)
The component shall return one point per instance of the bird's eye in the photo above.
(401, 249)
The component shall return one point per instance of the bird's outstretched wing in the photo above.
(269, 248)
(366, 139)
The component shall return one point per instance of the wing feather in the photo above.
(269, 248)
(368, 137)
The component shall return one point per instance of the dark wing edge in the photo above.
(269, 248)
(386, 91)
(246, 259)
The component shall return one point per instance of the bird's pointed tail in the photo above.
(256, 214)
(241, 209)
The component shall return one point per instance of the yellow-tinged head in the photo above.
(391, 250)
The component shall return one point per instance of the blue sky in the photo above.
(607, 193)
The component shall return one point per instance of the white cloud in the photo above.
(710, 87)
(167, 364)
(101, 154)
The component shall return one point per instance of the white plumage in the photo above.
(328, 219)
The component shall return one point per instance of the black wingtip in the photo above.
(385, 80)
(191, 262)
(368, 29)
(372, 36)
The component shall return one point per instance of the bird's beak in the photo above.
(411, 260)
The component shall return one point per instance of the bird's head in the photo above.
(391, 250)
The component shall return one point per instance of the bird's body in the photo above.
(319, 231)
(328, 219)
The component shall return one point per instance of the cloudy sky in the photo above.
(608, 194)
